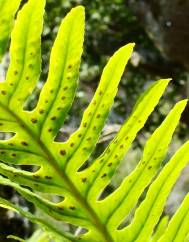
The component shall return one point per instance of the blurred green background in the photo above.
(109, 25)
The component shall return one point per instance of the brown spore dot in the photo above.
(72, 144)
(98, 116)
(24, 143)
(85, 125)
(89, 138)
(48, 177)
(46, 101)
(90, 113)
(36, 176)
(70, 66)
(50, 130)
(94, 102)
(116, 156)
(93, 171)
(139, 121)
(1, 124)
(79, 135)
(121, 146)
(15, 72)
(11, 84)
(61, 208)
(30, 66)
(65, 88)
(41, 111)
(101, 160)
(84, 179)
(2, 152)
(63, 152)
(3, 92)
(34, 120)
(126, 138)
(100, 93)
(59, 108)
(72, 207)
(53, 118)
(51, 91)
(11, 144)
(104, 175)
(84, 148)
(149, 167)
(27, 78)
(63, 97)
(110, 164)
(14, 155)
(94, 127)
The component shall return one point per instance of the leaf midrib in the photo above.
(82, 201)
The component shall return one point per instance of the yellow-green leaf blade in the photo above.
(7, 12)
(35, 219)
(25, 56)
(58, 92)
(56, 210)
(150, 210)
(160, 229)
(99, 174)
(178, 227)
(125, 197)
(82, 142)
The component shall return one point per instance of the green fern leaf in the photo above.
(42, 222)
(8, 10)
(59, 163)
(178, 229)
(133, 186)
(160, 229)
(149, 212)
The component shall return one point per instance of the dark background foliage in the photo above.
(160, 30)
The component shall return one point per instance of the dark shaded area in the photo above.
(166, 22)
(11, 223)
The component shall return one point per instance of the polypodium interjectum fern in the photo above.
(34, 132)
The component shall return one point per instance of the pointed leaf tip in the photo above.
(128, 48)
(78, 9)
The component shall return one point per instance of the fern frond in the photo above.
(178, 228)
(133, 185)
(58, 163)
(160, 229)
(149, 212)
(33, 218)
(8, 10)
